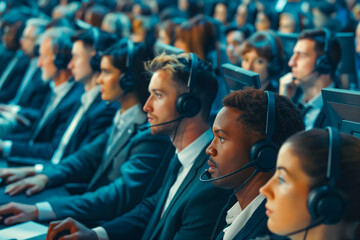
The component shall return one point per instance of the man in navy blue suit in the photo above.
(182, 89)
(90, 119)
(13, 65)
(122, 164)
(32, 91)
(43, 137)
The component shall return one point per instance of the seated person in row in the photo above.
(178, 209)
(13, 60)
(44, 135)
(243, 154)
(119, 165)
(304, 199)
(32, 91)
(263, 53)
(94, 115)
(224, 154)
(313, 64)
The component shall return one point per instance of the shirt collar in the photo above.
(236, 210)
(33, 62)
(62, 88)
(317, 101)
(89, 96)
(188, 155)
(127, 116)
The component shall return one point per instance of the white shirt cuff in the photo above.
(38, 168)
(6, 148)
(101, 233)
(46, 212)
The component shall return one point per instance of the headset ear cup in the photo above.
(61, 61)
(126, 83)
(325, 202)
(95, 62)
(323, 65)
(188, 105)
(264, 155)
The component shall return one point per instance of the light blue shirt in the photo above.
(316, 104)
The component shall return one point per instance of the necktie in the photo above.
(169, 181)
(173, 172)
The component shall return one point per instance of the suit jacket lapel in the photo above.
(257, 220)
(121, 142)
(63, 102)
(193, 173)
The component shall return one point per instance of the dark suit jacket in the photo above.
(97, 118)
(35, 93)
(5, 57)
(255, 226)
(46, 141)
(13, 80)
(321, 120)
(121, 179)
(190, 215)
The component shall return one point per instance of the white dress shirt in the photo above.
(237, 218)
(87, 98)
(58, 93)
(121, 121)
(187, 158)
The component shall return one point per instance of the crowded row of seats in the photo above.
(111, 110)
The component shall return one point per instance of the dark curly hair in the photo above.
(253, 106)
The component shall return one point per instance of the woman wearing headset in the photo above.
(263, 53)
(303, 202)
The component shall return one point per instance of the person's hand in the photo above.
(32, 185)
(13, 213)
(287, 85)
(76, 230)
(15, 174)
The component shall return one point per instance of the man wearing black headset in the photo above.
(313, 66)
(91, 118)
(44, 135)
(247, 134)
(182, 89)
(32, 90)
(119, 165)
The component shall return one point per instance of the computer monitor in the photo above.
(342, 109)
(160, 47)
(347, 63)
(238, 78)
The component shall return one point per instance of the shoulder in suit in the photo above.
(43, 143)
(98, 117)
(13, 80)
(140, 163)
(191, 214)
